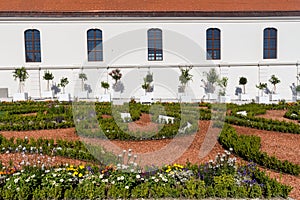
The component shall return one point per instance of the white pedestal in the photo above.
(224, 99)
(104, 98)
(147, 98)
(275, 97)
(262, 99)
(64, 97)
(186, 99)
(83, 95)
(20, 96)
(47, 95)
(212, 96)
(244, 97)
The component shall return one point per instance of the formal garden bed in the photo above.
(39, 168)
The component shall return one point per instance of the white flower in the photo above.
(16, 180)
(17, 188)
(113, 182)
(156, 180)
(101, 176)
(105, 180)
(127, 187)
(132, 170)
(122, 178)
(54, 175)
(230, 149)
(138, 176)
(27, 180)
(124, 151)
(32, 176)
(129, 150)
(47, 171)
(61, 180)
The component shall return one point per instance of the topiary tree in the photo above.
(48, 76)
(83, 78)
(147, 83)
(223, 84)
(116, 75)
(63, 83)
(243, 81)
(211, 79)
(185, 76)
(261, 87)
(105, 85)
(21, 74)
(274, 81)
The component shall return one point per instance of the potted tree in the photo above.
(262, 98)
(63, 96)
(21, 74)
(243, 96)
(118, 87)
(105, 97)
(209, 84)
(148, 97)
(274, 81)
(223, 98)
(48, 76)
(84, 93)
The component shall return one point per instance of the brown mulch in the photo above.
(144, 124)
(284, 146)
(277, 115)
(29, 114)
(62, 134)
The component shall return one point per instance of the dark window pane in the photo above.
(36, 34)
(98, 34)
(213, 43)
(90, 34)
(154, 44)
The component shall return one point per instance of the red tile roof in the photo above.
(148, 5)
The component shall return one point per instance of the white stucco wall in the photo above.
(63, 44)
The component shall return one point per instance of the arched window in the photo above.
(155, 51)
(32, 45)
(270, 43)
(213, 44)
(95, 45)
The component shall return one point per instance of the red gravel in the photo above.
(276, 115)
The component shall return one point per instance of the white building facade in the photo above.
(63, 47)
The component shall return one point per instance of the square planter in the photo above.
(104, 98)
(20, 96)
(186, 99)
(64, 97)
(147, 98)
(275, 97)
(83, 95)
(262, 99)
(244, 97)
(224, 99)
(212, 96)
(47, 95)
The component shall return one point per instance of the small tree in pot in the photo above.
(21, 74)
(83, 78)
(63, 83)
(147, 83)
(243, 81)
(223, 84)
(261, 87)
(48, 76)
(274, 81)
(105, 86)
(185, 77)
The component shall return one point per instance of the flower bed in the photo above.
(219, 178)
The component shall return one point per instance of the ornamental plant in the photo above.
(21, 74)
(185, 77)
(83, 78)
(48, 76)
(105, 86)
(63, 83)
(261, 87)
(147, 83)
(211, 79)
(243, 81)
(223, 84)
(274, 81)
(116, 75)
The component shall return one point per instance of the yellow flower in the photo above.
(80, 175)
(75, 173)
(81, 167)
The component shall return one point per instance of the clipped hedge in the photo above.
(248, 147)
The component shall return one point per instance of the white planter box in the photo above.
(262, 99)
(186, 99)
(275, 97)
(244, 97)
(148, 98)
(47, 95)
(64, 97)
(224, 99)
(83, 95)
(212, 96)
(104, 98)
(20, 96)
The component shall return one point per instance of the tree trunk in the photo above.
(48, 84)
(244, 89)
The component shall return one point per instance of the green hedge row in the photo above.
(248, 147)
